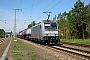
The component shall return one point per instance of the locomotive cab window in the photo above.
(53, 26)
(50, 26)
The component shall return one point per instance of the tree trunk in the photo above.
(83, 31)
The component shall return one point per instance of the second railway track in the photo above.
(64, 52)
(75, 52)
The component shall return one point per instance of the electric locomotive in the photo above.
(45, 32)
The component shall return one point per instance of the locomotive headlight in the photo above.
(56, 34)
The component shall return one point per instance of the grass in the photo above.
(78, 41)
(22, 51)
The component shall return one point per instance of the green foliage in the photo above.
(76, 23)
(76, 20)
(2, 33)
(32, 24)
(78, 41)
(87, 7)
(23, 51)
(62, 23)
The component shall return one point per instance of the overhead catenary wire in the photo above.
(5, 21)
(52, 7)
(25, 21)
(6, 24)
(32, 7)
(33, 4)
(55, 5)
(20, 4)
(49, 4)
(44, 9)
(25, 15)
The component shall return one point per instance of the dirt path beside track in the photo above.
(3, 46)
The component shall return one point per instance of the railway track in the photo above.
(78, 53)
(75, 52)
(64, 52)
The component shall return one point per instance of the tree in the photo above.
(2, 33)
(77, 20)
(32, 24)
(61, 19)
(59, 15)
(87, 7)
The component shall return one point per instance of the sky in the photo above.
(31, 10)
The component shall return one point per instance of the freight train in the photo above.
(45, 32)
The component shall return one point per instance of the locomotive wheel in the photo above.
(43, 42)
(48, 43)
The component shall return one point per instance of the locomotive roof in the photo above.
(48, 21)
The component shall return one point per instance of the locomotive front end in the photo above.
(51, 32)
